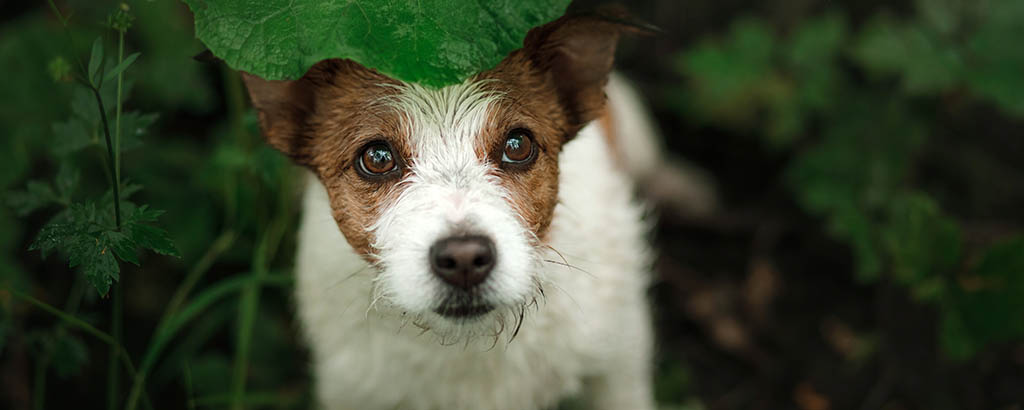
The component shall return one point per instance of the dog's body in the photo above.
(476, 246)
(591, 326)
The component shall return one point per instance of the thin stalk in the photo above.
(248, 305)
(235, 97)
(111, 158)
(117, 113)
(112, 376)
(165, 333)
(219, 246)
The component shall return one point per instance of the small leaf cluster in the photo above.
(94, 234)
(855, 148)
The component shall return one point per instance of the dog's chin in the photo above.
(464, 312)
(463, 307)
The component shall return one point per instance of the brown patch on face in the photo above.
(323, 121)
(533, 186)
(552, 87)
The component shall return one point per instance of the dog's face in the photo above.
(447, 192)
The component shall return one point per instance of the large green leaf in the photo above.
(432, 42)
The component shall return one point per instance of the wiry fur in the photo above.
(572, 311)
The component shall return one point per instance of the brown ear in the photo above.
(578, 51)
(283, 108)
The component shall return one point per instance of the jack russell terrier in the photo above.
(476, 246)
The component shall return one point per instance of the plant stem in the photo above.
(219, 246)
(248, 306)
(110, 157)
(117, 115)
(115, 319)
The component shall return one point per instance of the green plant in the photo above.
(412, 41)
(97, 234)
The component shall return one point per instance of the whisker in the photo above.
(570, 266)
(347, 277)
(571, 255)
(574, 301)
(519, 323)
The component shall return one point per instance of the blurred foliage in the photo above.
(854, 149)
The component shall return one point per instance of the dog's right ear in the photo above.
(283, 108)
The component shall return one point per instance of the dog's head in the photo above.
(447, 192)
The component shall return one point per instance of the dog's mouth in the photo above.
(461, 311)
(463, 305)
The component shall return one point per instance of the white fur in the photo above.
(375, 341)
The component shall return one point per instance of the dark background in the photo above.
(867, 254)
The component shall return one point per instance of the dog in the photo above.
(477, 246)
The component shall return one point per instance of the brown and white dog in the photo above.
(476, 246)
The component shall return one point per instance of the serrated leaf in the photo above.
(147, 236)
(123, 246)
(52, 236)
(95, 59)
(128, 189)
(154, 239)
(120, 67)
(432, 42)
(145, 214)
(95, 259)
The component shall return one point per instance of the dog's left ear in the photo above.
(577, 52)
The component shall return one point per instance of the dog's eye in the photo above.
(518, 147)
(377, 159)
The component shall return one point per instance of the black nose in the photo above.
(462, 261)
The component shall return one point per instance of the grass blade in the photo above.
(95, 60)
(118, 69)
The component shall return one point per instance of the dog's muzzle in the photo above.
(463, 262)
